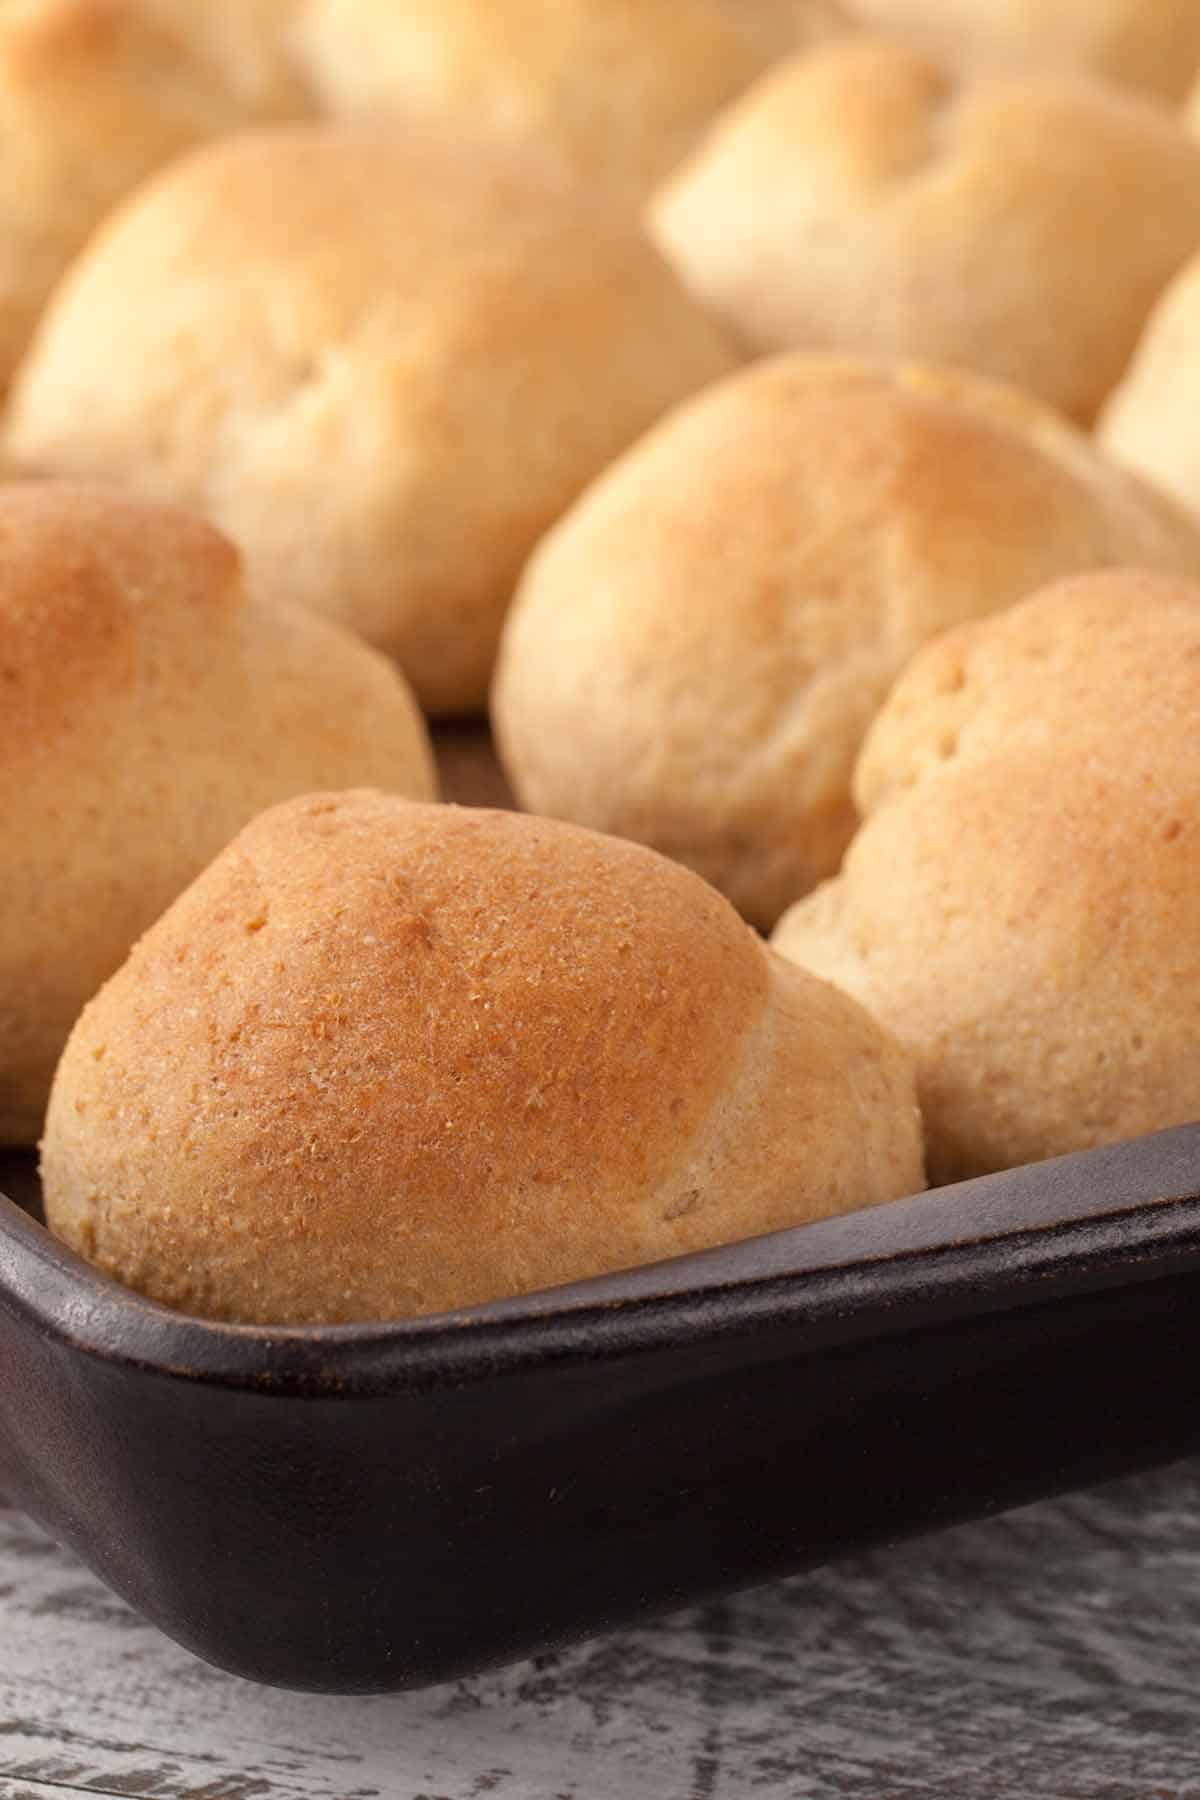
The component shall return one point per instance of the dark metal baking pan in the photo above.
(374, 1507)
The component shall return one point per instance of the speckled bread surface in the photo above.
(697, 649)
(619, 89)
(1152, 45)
(94, 96)
(384, 1059)
(151, 707)
(866, 198)
(1152, 420)
(1022, 904)
(383, 361)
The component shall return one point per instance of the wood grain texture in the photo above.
(1049, 1655)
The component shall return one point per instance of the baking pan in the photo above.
(363, 1508)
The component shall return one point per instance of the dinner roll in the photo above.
(619, 88)
(1022, 904)
(94, 95)
(384, 1059)
(697, 649)
(383, 361)
(1152, 420)
(864, 198)
(1191, 111)
(151, 707)
(1153, 45)
(249, 44)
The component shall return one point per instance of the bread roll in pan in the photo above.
(363, 1508)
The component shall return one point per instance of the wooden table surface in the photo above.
(1053, 1652)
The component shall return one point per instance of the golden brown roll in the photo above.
(250, 45)
(697, 649)
(1191, 111)
(151, 707)
(1152, 420)
(95, 95)
(383, 361)
(1153, 45)
(384, 1059)
(863, 198)
(1022, 904)
(620, 89)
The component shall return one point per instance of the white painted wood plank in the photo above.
(1051, 1655)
